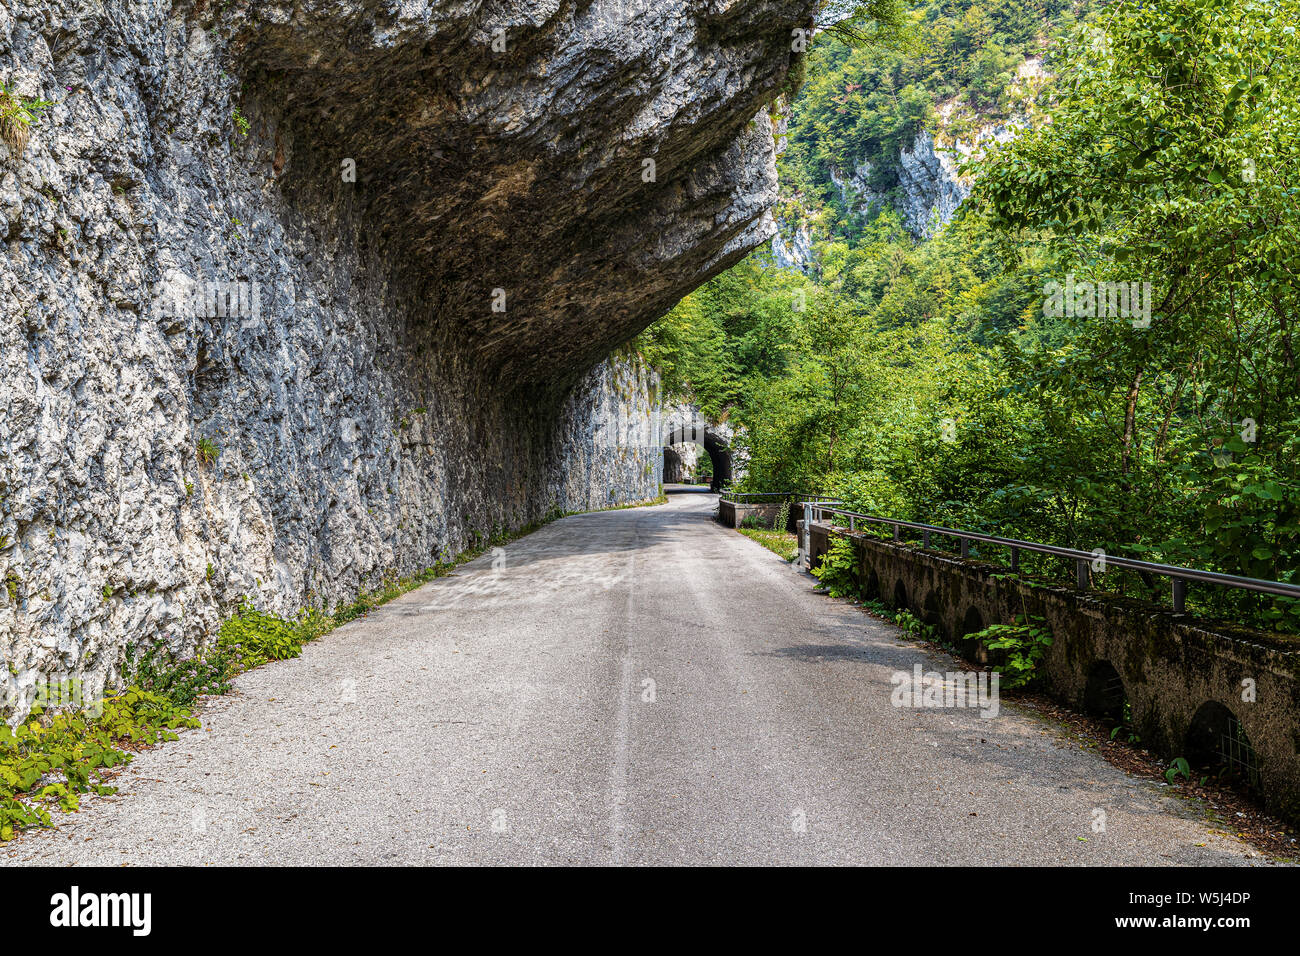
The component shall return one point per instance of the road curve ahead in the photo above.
(637, 686)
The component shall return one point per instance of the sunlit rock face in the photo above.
(297, 296)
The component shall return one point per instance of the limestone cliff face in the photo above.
(299, 294)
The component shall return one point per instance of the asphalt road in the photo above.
(637, 686)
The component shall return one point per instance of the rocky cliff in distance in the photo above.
(299, 295)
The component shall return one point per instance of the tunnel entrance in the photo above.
(713, 462)
(674, 470)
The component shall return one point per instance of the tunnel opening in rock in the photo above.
(1217, 746)
(703, 455)
(674, 471)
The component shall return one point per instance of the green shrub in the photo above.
(838, 568)
(1026, 642)
(914, 626)
(253, 637)
(182, 681)
(50, 759)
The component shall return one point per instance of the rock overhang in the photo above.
(581, 165)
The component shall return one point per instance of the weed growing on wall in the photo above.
(836, 572)
(17, 115)
(1025, 642)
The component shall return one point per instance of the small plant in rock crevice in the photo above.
(208, 451)
(17, 116)
(11, 584)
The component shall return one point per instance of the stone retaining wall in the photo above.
(1182, 677)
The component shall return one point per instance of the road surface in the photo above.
(627, 687)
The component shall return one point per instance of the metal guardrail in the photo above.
(1178, 576)
(764, 497)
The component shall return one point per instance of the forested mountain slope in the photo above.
(1097, 350)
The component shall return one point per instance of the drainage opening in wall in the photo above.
(873, 585)
(1217, 746)
(900, 595)
(931, 614)
(1104, 696)
(972, 623)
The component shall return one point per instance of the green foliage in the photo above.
(252, 637)
(241, 124)
(1025, 642)
(1179, 768)
(208, 452)
(925, 380)
(838, 569)
(862, 102)
(17, 116)
(913, 625)
(1173, 156)
(49, 759)
(782, 543)
(181, 680)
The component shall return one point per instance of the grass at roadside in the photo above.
(778, 542)
(54, 755)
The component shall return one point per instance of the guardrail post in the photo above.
(807, 533)
(1015, 560)
(1081, 573)
(898, 533)
(853, 523)
(1180, 596)
(965, 547)
(925, 540)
